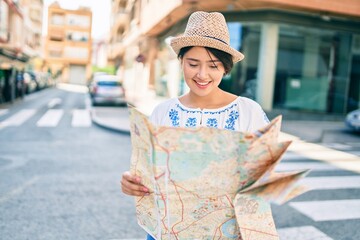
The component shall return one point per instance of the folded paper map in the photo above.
(208, 183)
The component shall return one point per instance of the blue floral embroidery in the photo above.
(212, 123)
(174, 116)
(191, 122)
(230, 122)
(187, 111)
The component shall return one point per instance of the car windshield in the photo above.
(108, 83)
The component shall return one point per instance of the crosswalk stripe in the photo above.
(81, 118)
(302, 233)
(290, 166)
(337, 158)
(3, 111)
(327, 183)
(19, 118)
(51, 118)
(330, 210)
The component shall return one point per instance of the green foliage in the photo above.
(107, 69)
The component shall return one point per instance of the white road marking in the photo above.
(53, 102)
(326, 183)
(18, 190)
(18, 118)
(3, 111)
(51, 118)
(302, 233)
(357, 153)
(313, 166)
(81, 118)
(330, 210)
(338, 146)
(337, 158)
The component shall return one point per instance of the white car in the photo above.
(353, 120)
(107, 89)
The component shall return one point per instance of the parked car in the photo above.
(107, 89)
(353, 120)
(31, 84)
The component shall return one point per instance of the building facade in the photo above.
(68, 43)
(20, 41)
(33, 12)
(302, 56)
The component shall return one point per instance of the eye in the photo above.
(213, 66)
(192, 65)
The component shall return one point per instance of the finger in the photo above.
(134, 189)
(136, 193)
(131, 178)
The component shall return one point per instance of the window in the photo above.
(312, 69)
(57, 19)
(78, 20)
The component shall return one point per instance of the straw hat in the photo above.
(206, 30)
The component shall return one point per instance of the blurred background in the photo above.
(69, 67)
(299, 56)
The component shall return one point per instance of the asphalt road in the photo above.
(59, 178)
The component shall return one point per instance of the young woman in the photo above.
(205, 56)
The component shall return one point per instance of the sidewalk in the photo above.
(117, 119)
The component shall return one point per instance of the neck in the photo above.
(209, 101)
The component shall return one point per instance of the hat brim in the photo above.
(185, 41)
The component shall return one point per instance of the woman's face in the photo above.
(202, 71)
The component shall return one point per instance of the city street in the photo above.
(60, 174)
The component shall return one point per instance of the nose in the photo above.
(202, 73)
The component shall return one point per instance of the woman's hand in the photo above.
(131, 185)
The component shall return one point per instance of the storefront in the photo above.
(308, 63)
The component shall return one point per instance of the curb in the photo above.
(97, 121)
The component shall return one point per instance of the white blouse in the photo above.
(243, 114)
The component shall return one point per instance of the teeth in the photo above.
(203, 84)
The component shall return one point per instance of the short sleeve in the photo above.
(158, 116)
(258, 118)
(155, 117)
(254, 116)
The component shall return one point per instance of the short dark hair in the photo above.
(224, 57)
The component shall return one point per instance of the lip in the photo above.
(202, 85)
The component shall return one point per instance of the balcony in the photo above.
(56, 34)
(55, 50)
(121, 19)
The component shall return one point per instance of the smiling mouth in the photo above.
(203, 83)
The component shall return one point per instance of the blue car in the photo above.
(353, 120)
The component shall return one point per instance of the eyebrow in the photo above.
(197, 60)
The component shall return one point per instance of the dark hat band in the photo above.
(217, 39)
